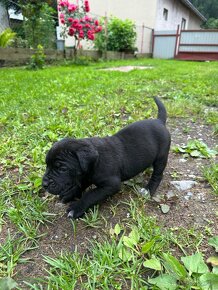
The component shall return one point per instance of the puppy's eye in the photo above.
(57, 164)
(63, 168)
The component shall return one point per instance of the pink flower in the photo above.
(61, 15)
(98, 29)
(72, 7)
(62, 21)
(75, 21)
(81, 34)
(64, 3)
(70, 19)
(86, 3)
(87, 25)
(79, 27)
(96, 22)
(71, 31)
(91, 36)
(87, 18)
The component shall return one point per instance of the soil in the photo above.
(197, 210)
(128, 68)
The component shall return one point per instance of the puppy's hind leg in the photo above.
(157, 175)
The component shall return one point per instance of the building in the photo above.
(4, 22)
(148, 15)
(9, 19)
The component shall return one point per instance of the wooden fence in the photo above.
(21, 56)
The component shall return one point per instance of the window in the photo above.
(165, 14)
(183, 23)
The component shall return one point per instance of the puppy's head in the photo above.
(68, 162)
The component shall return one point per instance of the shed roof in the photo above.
(194, 9)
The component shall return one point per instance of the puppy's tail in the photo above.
(162, 113)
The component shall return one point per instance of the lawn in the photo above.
(130, 241)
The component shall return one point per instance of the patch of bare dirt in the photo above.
(196, 210)
(128, 68)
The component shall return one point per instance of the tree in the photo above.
(18, 5)
(39, 24)
(208, 8)
(39, 27)
(211, 23)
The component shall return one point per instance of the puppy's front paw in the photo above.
(75, 211)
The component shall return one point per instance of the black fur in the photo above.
(75, 164)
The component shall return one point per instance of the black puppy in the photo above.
(75, 164)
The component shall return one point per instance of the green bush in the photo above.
(37, 60)
(120, 36)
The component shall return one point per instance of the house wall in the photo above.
(176, 11)
(3, 19)
(194, 22)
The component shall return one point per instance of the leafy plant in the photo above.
(6, 37)
(37, 59)
(121, 36)
(195, 148)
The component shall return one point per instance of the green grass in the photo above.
(129, 256)
(40, 107)
(211, 175)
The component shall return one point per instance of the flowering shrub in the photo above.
(75, 20)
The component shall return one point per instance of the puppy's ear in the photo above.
(87, 156)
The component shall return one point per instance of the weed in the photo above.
(11, 253)
(195, 148)
(92, 219)
(37, 60)
(211, 175)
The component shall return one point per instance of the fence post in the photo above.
(176, 42)
(142, 41)
(152, 43)
(106, 35)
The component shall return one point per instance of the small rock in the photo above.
(144, 192)
(58, 205)
(170, 194)
(183, 184)
(182, 160)
(188, 195)
(164, 208)
(201, 196)
(192, 176)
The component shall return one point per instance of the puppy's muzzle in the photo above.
(45, 182)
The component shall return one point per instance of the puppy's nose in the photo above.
(45, 182)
